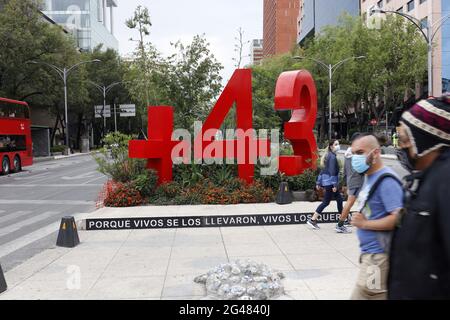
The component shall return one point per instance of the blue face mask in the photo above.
(359, 163)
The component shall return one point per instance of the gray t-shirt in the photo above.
(354, 179)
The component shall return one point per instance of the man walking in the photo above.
(354, 182)
(420, 256)
(379, 203)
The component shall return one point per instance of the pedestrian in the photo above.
(354, 182)
(379, 203)
(329, 180)
(395, 139)
(420, 256)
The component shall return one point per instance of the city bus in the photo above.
(16, 149)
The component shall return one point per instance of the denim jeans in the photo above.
(327, 199)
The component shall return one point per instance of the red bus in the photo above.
(15, 136)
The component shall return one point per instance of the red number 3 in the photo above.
(296, 91)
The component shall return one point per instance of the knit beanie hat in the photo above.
(428, 124)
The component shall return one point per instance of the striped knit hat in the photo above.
(428, 124)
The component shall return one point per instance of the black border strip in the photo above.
(247, 220)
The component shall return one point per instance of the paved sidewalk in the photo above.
(161, 264)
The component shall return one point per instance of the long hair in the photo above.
(326, 151)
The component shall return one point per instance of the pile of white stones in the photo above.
(242, 280)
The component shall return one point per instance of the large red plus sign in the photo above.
(158, 148)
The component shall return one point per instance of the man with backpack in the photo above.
(379, 203)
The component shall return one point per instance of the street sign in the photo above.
(99, 112)
(127, 110)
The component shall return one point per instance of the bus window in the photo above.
(10, 110)
(11, 143)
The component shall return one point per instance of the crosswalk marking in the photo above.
(16, 244)
(39, 175)
(13, 215)
(27, 222)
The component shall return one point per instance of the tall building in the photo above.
(428, 12)
(280, 26)
(316, 14)
(90, 21)
(256, 51)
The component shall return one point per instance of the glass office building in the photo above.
(316, 14)
(90, 21)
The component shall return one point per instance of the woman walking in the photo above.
(329, 180)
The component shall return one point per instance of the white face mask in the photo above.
(337, 148)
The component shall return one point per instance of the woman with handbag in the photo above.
(329, 180)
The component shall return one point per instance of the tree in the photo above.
(188, 80)
(111, 71)
(265, 76)
(144, 83)
(141, 21)
(395, 62)
(239, 48)
(192, 81)
(25, 37)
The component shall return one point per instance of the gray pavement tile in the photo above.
(194, 265)
(331, 260)
(127, 287)
(183, 285)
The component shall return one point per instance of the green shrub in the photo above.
(146, 183)
(222, 174)
(303, 182)
(188, 174)
(114, 162)
(59, 148)
(272, 182)
(209, 192)
(169, 190)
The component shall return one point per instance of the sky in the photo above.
(175, 20)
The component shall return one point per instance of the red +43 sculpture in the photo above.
(295, 91)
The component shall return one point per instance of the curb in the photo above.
(45, 159)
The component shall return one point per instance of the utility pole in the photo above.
(64, 73)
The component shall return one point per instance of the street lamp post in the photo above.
(429, 38)
(331, 70)
(64, 73)
(105, 90)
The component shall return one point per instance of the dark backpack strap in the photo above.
(377, 183)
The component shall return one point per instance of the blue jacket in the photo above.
(329, 176)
